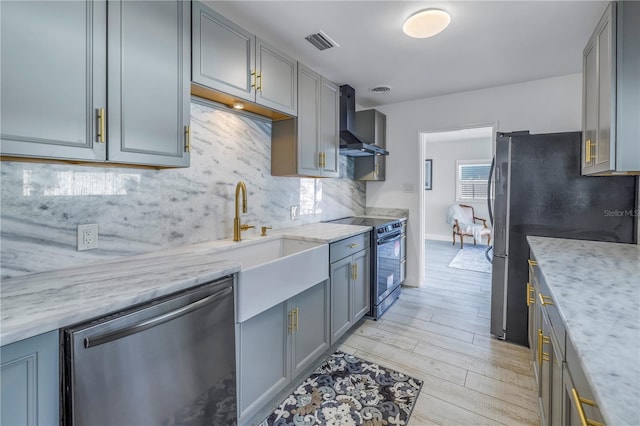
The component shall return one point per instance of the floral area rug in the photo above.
(346, 390)
(472, 258)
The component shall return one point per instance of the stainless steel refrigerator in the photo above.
(539, 191)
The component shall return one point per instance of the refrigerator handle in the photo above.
(493, 164)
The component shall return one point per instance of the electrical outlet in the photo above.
(87, 236)
(294, 212)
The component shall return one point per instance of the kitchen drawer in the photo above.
(348, 246)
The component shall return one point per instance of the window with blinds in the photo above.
(472, 178)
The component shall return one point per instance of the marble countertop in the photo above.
(42, 302)
(596, 288)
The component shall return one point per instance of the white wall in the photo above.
(438, 200)
(541, 106)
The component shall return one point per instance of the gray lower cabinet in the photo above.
(563, 391)
(30, 380)
(278, 344)
(54, 82)
(229, 59)
(579, 405)
(53, 58)
(350, 283)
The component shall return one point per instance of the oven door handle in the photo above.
(390, 238)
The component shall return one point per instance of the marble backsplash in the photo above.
(142, 210)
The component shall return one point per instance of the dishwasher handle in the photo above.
(92, 341)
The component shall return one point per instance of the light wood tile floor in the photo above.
(440, 334)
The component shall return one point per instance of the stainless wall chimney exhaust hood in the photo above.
(351, 144)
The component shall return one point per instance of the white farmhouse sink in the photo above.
(274, 270)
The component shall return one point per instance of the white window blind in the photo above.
(472, 178)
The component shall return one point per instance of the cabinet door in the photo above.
(372, 168)
(605, 83)
(546, 371)
(53, 59)
(590, 105)
(308, 119)
(340, 298)
(263, 358)
(30, 381)
(149, 88)
(330, 127)
(556, 382)
(361, 285)
(277, 79)
(223, 54)
(311, 335)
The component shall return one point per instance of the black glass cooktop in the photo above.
(376, 222)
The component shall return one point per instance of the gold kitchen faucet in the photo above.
(237, 226)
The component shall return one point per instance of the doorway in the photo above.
(454, 172)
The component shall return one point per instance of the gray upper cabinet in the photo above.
(30, 379)
(229, 59)
(371, 124)
(276, 79)
(53, 57)
(309, 144)
(149, 82)
(611, 93)
(223, 53)
(57, 108)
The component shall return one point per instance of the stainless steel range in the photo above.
(388, 259)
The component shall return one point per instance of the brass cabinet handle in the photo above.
(323, 160)
(187, 138)
(542, 339)
(545, 300)
(353, 271)
(353, 245)
(296, 316)
(587, 151)
(101, 125)
(259, 76)
(253, 79)
(532, 262)
(530, 300)
(578, 400)
(356, 265)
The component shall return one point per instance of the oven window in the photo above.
(389, 257)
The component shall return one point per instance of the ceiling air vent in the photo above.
(321, 41)
(381, 89)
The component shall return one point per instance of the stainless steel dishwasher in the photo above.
(170, 361)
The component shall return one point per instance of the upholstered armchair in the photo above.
(466, 224)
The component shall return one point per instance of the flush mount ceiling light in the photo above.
(426, 23)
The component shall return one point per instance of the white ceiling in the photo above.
(489, 43)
